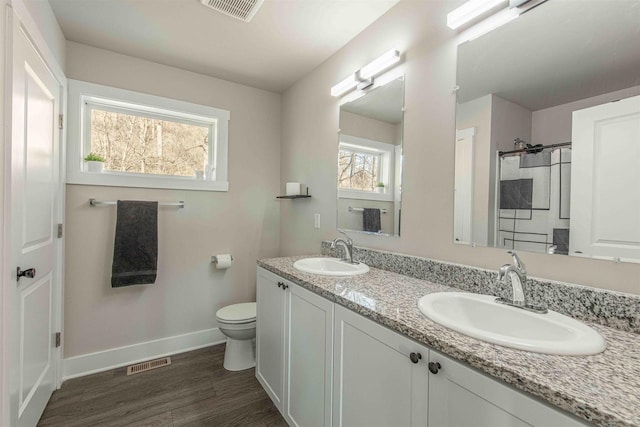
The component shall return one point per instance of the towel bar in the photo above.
(94, 203)
(351, 209)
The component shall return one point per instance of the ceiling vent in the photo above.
(243, 10)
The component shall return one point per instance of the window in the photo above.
(365, 168)
(130, 142)
(146, 141)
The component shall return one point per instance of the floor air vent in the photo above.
(148, 365)
(243, 10)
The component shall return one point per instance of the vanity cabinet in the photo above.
(380, 377)
(459, 396)
(294, 349)
(325, 365)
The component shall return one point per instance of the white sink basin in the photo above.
(330, 267)
(479, 316)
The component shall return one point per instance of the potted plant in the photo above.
(380, 187)
(95, 162)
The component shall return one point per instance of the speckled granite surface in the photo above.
(603, 389)
(613, 309)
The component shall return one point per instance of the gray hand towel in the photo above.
(371, 220)
(135, 252)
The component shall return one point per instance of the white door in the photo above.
(463, 191)
(309, 354)
(35, 194)
(380, 377)
(605, 181)
(270, 344)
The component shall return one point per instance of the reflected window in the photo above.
(359, 169)
(364, 165)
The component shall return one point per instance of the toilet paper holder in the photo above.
(214, 259)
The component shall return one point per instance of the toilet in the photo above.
(238, 323)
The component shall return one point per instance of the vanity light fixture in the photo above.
(363, 78)
(344, 86)
(378, 65)
(469, 11)
(475, 8)
(489, 24)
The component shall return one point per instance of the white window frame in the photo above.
(387, 164)
(84, 96)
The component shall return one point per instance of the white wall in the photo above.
(366, 127)
(43, 16)
(310, 120)
(553, 125)
(477, 114)
(243, 221)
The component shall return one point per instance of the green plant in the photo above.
(93, 157)
(380, 184)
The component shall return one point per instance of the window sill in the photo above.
(365, 195)
(163, 182)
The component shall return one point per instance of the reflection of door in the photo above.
(35, 196)
(605, 181)
(463, 198)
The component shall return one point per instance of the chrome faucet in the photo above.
(347, 242)
(517, 273)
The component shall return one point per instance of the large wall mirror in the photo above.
(547, 148)
(370, 160)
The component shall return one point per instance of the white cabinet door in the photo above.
(462, 397)
(309, 344)
(376, 384)
(605, 181)
(270, 344)
(294, 343)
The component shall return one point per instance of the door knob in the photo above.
(434, 367)
(415, 357)
(29, 273)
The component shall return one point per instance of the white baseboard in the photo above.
(92, 363)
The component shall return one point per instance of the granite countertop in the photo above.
(603, 389)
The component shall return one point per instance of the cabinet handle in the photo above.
(285, 286)
(434, 367)
(415, 357)
(280, 284)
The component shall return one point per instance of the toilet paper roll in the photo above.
(293, 188)
(223, 261)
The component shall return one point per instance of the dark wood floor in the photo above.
(194, 390)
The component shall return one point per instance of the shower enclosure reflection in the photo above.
(370, 160)
(533, 198)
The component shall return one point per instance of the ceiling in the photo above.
(286, 39)
(559, 52)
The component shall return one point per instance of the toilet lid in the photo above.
(238, 313)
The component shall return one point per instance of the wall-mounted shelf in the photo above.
(298, 196)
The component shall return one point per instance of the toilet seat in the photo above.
(238, 323)
(237, 313)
